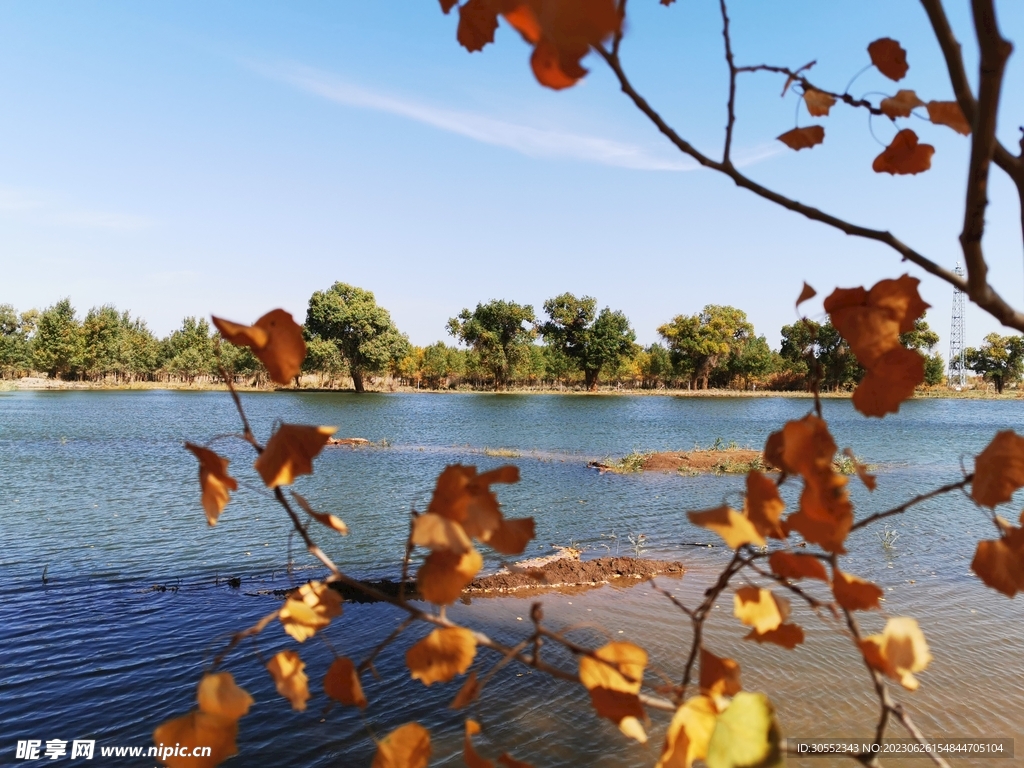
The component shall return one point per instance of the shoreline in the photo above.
(39, 384)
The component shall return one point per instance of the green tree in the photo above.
(753, 360)
(655, 366)
(16, 340)
(140, 350)
(324, 359)
(441, 364)
(59, 345)
(838, 366)
(1000, 359)
(188, 352)
(923, 339)
(363, 332)
(702, 342)
(103, 336)
(500, 332)
(594, 342)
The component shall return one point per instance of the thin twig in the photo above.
(367, 663)
(726, 156)
(916, 500)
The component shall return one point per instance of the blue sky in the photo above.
(191, 158)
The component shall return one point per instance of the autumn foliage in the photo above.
(785, 555)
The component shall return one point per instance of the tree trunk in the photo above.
(357, 380)
(590, 378)
(999, 385)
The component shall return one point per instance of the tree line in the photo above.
(499, 344)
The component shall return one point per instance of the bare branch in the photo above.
(796, 77)
(726, 158)
(916, 500)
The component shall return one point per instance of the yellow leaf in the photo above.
(287, 670)
(614, 676)
(689, 733)
(215, 481)
(792, 566)
(746, 735)
(468, 693)
(731, 525)
(408, 746)
(441, 655)
(890, 58)
(332, 522)
(787, 635)
(276, 339)
(999, 469)
(219, 695)
(310, 608)
(900, 105)
(469, 754)
(803, 138)
(818, 102)
(898, 652)
(466, 497)
(199, 729)
(444, 575)
(290, 453)
(719, 677)
(904, 155)
(439, 533)
(763, 505)
(342, 683)
(760, 608)
(948, 113)
(855, 594)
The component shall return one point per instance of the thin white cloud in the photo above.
(534, 142)
(35, 207)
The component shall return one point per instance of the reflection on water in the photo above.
(96, 488)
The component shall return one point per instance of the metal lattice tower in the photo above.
(957, 376)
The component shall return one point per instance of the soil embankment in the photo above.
(563, 574)
(696, 462)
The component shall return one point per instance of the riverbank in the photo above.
(38, 383)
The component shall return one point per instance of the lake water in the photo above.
(96, 488)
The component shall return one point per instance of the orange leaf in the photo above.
(290, 453)
(718, 676)
(900, 105)
(828, 534)
(792, 566)
(441, 655)
(891, 380)
(219, 695)
(512, 536)
(468, 693)
(215, 481)
(199, 728)
(999, 469)
(469, 754)
(444, 575)
(276, 339)
(787, 635)
(871, 321)
(1000, 563)
(732, 526)
(773, 452)
(508, 761)
(889, 57)
(547, 67)
(478, 20)
(439, 534)
(763, 505)
(805, 293)
(614, 676)
(408, 746)
(332, 522)
(855, 594)
(803, 138)
(287, 670)
(818, 102)
(342, 684)
(447, 5)
(521, 17)
(466, 497)
(310, 608)
(760, 608)
(904, 155)
(898, 652)
(689, 733)
(949, 113)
